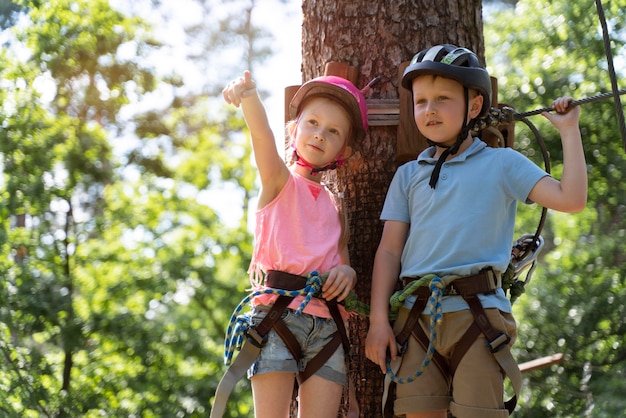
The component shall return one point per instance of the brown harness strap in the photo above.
(340, 337)
(496, 340)
(282, 280)
(289, 339)
(256, 337)
(463, 345)
(412, 327)
(486, 282)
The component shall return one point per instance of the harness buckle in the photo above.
(253, 336)
(499, 342)
(402, 348)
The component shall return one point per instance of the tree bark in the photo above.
(376, 37)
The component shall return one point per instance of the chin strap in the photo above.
(465, 129)
(434, 177)
(315, 170)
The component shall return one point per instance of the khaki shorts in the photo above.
(478, 385)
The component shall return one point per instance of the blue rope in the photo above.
(239, 323)
(434, 310)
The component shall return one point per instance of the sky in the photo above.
(282, 69)
(281, 18)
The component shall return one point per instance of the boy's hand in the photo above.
(340, 281)
(238, 89)
(379, 338)
(565, 115)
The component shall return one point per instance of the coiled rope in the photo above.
(436, 287)
(239, 324)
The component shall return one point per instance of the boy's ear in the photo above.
(476, 105)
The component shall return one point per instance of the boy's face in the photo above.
(439, 107)
(322, 131)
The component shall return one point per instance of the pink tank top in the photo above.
(297, 232)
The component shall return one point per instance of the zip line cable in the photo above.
(615, 93)
(522, 115)
(609, 57)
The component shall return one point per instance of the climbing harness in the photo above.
(249, 339)
(469, 287)
(239, 324)
(433, 297)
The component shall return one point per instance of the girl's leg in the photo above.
(319, 398)
(272, 394)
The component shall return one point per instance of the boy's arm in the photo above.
(570, 193)
(272, 169)
(384, 278)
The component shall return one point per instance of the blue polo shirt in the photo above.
(467, 222)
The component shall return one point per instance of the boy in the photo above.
(450, 216)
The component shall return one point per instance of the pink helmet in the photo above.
(340, 90)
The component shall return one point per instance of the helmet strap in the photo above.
(315, 170)
(454, 148)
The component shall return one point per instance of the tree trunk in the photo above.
(376, 37)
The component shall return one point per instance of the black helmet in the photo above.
(453, 62)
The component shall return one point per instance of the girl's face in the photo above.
(321, 131)
(439, 106)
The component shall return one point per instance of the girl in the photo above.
(299, 231)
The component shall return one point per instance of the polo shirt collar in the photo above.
(426, 156)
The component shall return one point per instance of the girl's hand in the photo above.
(340, 281)
(238, 89)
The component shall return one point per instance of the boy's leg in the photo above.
(479, 365)
(319, 398)
(272, 394)
(428, 396)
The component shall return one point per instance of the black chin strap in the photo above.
(434, 177)
(465, 129)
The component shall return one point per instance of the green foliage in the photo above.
(574, 303)
(118, 278)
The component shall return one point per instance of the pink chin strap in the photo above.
(315, 170)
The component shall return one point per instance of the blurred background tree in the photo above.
(575, 304)
(113, 256)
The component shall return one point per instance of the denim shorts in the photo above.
(312, 333)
